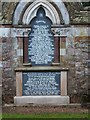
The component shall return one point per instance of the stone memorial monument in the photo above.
(44, 51)
(42, 81)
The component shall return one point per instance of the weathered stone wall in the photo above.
(73, 54)
(77, 13)
(7, 75)
(6, 13)
(9, 62)
(75, 57)
(78, 65)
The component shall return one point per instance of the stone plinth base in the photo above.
(53, 100)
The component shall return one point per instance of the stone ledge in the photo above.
(44, 68)
(51, 100)
(55, 64)
(27, 64)
(71, 105)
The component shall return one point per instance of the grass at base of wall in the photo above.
(46, 115)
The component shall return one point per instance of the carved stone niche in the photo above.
(43, 82)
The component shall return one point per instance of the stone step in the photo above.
(48, 100)
(71, 105)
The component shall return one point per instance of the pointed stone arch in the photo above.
(31, 10)
(50, 11)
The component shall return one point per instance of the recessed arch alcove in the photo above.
(23, 14)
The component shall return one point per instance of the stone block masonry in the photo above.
(75, 58)
(9, 62)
